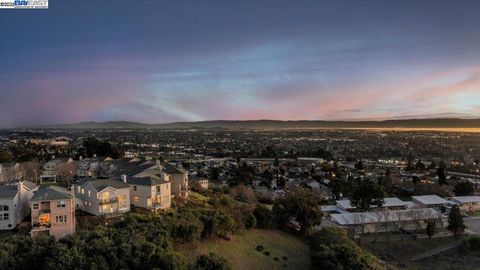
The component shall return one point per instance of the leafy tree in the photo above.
(93, 146)
(264, 217)
(331, 248)
(299, 205)
(244, 194)
(211, 262)
(464, 188)
(5, 156)
(455, 221)
(366, 194)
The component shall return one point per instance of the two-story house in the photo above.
(103, 197)
(150, 189)
(14, 200)
(10, 171)
(53, 212)
(179, 179)
(54, 169)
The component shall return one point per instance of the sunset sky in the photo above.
(160, 61)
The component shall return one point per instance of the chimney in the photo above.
(73, 206)
(124, 178)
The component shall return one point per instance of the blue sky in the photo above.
(163, 61)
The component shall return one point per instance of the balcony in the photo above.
(109, 201)
(44, 211)
(41, 226)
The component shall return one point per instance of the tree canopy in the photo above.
(367, 194)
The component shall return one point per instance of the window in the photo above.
(61, 219)
(78, 188)
(158, 188)
(83, 191)
(4, 216)
(89, 193)
(35, 206)
(3, 207)
(134, 188)
(60, 204)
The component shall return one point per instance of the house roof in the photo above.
(48, 194)
(101, 184)
(29, 185)
(170, 169)
(430, 199)
(8, 191)
(466, 199)
(146, 181)
(387, 202)
(394, 201)
(385, 216)
(345, 204)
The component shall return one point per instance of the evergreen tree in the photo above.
(455, 221)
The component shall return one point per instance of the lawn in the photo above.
(399, 252)
(285, 251)
(476, 214)
(199, 196)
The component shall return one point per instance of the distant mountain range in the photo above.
(275, 124)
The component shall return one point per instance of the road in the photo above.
(473, 224)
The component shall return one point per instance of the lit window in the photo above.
(61, 219)
(89, 193)
(83, 191)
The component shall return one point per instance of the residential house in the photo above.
(179, 179)
(391, 203)
(390, 220)
(467, 203)
(94, 167)
(53, 212)
(54, 169)
(431, 201)
(10, 171)
(102, 197)
(14, 203)
(200, 182)
(150, 189)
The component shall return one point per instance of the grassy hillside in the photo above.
(241, 253)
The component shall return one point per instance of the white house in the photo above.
(14, 201)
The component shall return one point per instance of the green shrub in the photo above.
(474, 243)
